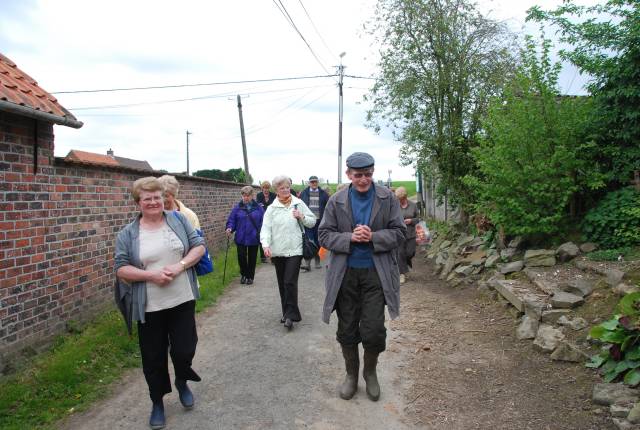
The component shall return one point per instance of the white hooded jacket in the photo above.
(281, 231)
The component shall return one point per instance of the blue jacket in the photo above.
(246, 233)
(324, 198)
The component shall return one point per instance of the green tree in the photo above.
(440, 61)
(233, 175)
(605, 43)
(529, 157)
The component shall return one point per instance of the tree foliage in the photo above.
(440, 61)
(605, 43)
(233, 175)
(529, 157)
(615, 222)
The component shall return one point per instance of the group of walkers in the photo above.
(366, 229)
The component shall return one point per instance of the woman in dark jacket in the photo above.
(246, 221)
(264, 199)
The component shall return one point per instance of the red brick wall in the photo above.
(57, 232)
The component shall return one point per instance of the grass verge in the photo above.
(80, 367)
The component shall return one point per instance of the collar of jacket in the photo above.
(294, 201)
(342, 199)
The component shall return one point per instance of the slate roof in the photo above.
(20, 94)
(85, 157)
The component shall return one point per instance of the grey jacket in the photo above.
(388, 231)
(128, 254)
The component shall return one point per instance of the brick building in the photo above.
(59, 218)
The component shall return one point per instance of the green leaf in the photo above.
(633, 353)
(616, 336)
(632, 377)
(611, 324)
(627, 305)
(597, 360)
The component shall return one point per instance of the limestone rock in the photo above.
(508, 254)
(516, 242)
(441, 258)
(553, 315)
(614, 276)
(464, 239)
(634, 414)
(567, 251)
(464, 270)
(588, 247)
(445, 244)
(564, 300)
(622, 424)
(534, 308)
(575, 324)
(579, 287)
(610, 394)
(491, 261)
(620, 411)
(566, 351)
(527, 328)
(540, 257)
(480, 255)
(516, 266)
(547, 338)
(449, 265)
(622, 289)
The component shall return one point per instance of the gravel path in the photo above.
(256, 375)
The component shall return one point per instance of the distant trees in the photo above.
(233, 175)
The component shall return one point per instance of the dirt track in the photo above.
(452, 363)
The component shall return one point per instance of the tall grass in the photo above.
(81, 367)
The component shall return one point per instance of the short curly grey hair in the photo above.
(247, 190)
(280, 180)
(170, 184)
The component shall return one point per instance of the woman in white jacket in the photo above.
(281, 238)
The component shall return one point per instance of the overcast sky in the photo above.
(291, 125)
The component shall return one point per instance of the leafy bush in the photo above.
(615, 222)
(622, 333)
(608, 254)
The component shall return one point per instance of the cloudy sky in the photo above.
(291, 124)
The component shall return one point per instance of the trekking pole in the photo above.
(224, 272)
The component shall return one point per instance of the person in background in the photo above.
(171, 202)
(362, 226)
(293, 192)
(155, 255)
(407, 250)
(281, 238)
(246, 220)
(264, 199)
(316, 199)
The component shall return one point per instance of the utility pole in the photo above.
(341, 75)
(188, 133)
(244, 143)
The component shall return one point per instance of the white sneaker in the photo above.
(402, 279)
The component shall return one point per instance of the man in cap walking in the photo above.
(362, 226)
(316, 199)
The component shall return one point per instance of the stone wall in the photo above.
(58, 230)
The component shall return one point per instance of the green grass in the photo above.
(627, 253)
(80, 367)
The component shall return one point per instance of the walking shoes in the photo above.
(157, 420)
(185, 394)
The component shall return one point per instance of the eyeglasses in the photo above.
(360, 175)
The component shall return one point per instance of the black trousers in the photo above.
(360, 309)
(287, 271)
(170, 330)
(247, 260)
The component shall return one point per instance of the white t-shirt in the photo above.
(160, 248)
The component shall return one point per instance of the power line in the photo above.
(316, 29)
(159, 87)
(213, 96)
(359, 77)
(285, 13)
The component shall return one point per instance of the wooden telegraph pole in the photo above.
(244, 143)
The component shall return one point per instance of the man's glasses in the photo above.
(360, 175)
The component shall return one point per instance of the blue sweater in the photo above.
(361, 256)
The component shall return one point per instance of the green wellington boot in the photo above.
(352, 365)
(370, 376)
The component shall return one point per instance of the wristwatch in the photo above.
(184, 265)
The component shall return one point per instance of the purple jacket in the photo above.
(246, 233)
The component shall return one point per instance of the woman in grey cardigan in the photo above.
(155, 255)
(407, 250)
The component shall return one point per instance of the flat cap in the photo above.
(313, 178)
(360, 160)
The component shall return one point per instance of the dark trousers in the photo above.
(247, 260)
(287, 271)
(406, 252)
(170, 330)
(360, 309)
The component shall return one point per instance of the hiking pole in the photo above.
(224, 272)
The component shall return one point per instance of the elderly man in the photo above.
(362, 227)
(316, 199)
